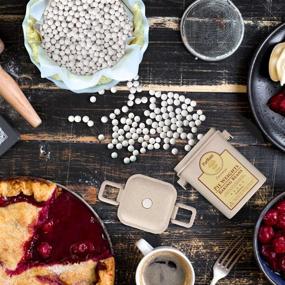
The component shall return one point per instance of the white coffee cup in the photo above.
(151, 254)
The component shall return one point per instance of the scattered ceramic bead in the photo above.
(166, 146)
(174, 151)
(144, 100)
(71, 119)
(129, 84)
(138, 101)
(112, 116)
(115, 122)
(126, 160)
(191, 142)
(110, 146)
(187, 101)
(117, 112)
(131, 97)
(92, 99)
(102, 92)
(187, 147)
(135, 152)
(114, 155)
(90, 124)
(198, 123)
(139, 89)
(195, 116)
(119, 146)
(189, 136)
(104, 119)
(101, 137)
(150, 147)
(125, 109)
(199, 136)
(142, 150)
(113, 89)
(202, 118)
(183, 136)
(77, 119)
(156, 146)
(85, 119)
(133, 158)
(131, 148)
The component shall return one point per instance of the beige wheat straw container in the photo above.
(220, 173)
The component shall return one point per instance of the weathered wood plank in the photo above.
(55, 106)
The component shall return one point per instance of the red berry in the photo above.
(47, 227)
(265, 234)
(279, 244)
(44, 249)
(267, 250)
(273, 261)
(82, 248)
(271, 218)
(281, 207)
(277, 103)
(281, 221)
(282, 263)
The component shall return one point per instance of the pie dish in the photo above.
(48, 236)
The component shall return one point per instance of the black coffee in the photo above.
(164, 271)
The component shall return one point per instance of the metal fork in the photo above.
(227, 260)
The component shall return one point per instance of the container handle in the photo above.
(144, 247)
(180, 223)
(102, 190)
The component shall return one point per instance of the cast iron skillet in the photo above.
(261, 88)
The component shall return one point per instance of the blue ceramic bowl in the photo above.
(273, 277)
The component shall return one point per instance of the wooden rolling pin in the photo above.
(11, 92)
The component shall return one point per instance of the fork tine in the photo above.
(238, 252)
(229, 250)
(236, 260)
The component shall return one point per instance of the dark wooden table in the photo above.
(71, 155)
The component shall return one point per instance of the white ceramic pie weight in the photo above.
(147, 204)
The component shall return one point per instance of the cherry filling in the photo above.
(66, 232)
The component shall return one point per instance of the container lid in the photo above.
(147, 203)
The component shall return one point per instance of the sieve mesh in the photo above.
(212, 29)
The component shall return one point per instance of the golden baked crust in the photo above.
(107, 276)
(41, 190)
(16, 221)
(83, 273)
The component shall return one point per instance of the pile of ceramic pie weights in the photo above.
(85, 36)
(167, 118)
